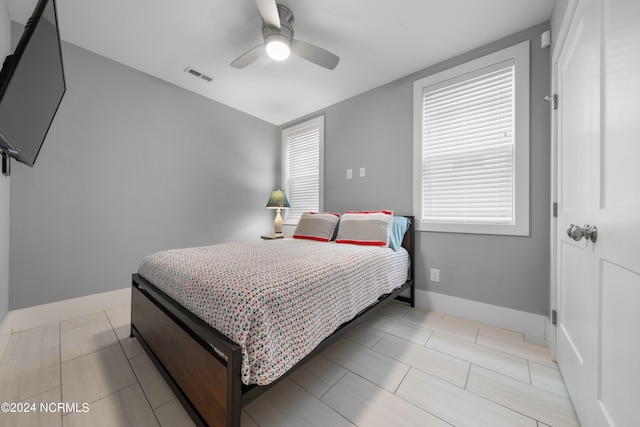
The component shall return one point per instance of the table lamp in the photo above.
(277, 201)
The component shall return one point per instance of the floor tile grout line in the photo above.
(135, 374)
(372, 345)
(142, 388)
(91, 352)
(417, 406)
(485, 348)
(507, 407)
(472, 363)
(332, 385)
(503, 406)
(402, 380)
(482, 326)
(466, 380)
(459, 358)
(435, 376)
(508, 353)
(415, 325)
(394, 394)
(556, 396)
(462, 388)
(421, 370)
(478, 328)
(33, 355)
(564, 395)
(124, 387)
(517, 343)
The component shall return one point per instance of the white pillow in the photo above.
(316, 226)
(371, 228)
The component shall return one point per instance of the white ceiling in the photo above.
(378, 41)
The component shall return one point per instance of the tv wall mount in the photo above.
(6, 164)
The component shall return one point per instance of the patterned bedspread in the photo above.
(276, 299)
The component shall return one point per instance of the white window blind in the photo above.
(471, 146)
(468, 148)
(302, 148)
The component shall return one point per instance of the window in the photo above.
(471, 146)
(302, 165)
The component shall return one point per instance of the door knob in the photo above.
(589, 232)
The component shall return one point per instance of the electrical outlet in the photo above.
(362, 172)
(349, 173)
(435, 275)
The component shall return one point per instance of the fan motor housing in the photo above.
(286, 25)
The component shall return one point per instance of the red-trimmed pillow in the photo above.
(371, 228)
(316, 226)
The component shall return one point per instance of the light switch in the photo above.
(349, 173)
(362, 172)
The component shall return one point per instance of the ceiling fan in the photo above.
(277, 31)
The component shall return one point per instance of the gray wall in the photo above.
(132, 165)
(5, 49)
(374, 130)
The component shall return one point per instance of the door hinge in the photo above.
(554, 317)
(555, 209)
(554, 101)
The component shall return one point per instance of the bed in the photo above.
(224, 323)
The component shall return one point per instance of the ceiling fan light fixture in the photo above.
(279, 41)
(277, 47)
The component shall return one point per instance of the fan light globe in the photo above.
(278, 50)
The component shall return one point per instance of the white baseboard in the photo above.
(5, 332)
(40, 315)
(533, 326)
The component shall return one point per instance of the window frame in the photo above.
(519, 53)
(314, 123)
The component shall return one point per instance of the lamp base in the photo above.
(277, 224)
(274, 237)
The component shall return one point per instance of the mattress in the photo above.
(276, 299)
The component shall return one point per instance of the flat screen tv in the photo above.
(31, 86)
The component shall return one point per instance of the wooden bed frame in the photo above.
(201, 365)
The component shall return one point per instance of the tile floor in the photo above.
(406, 367)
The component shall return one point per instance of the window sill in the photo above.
(489, 229)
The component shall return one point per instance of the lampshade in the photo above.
(278, 200)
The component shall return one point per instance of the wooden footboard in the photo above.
(201, 369)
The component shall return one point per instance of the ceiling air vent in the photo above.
(198, 74)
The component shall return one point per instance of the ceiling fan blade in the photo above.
(248, 57)
(269, 11)
(315, 54)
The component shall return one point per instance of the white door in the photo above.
(598, 346)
